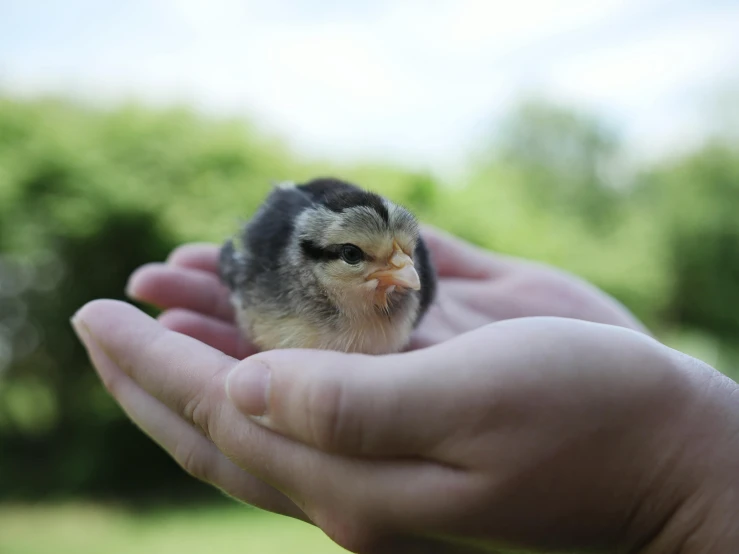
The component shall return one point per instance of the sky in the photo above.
(411, 82)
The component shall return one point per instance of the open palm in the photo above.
(475, 288)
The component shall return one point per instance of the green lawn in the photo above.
(94, 529)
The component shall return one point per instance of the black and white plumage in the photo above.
(331, 266)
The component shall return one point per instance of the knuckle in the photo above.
(193, 462)
(198, 408)
(190, 407)
(196, 412)
(328, 418)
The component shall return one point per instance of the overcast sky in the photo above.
(409, 81)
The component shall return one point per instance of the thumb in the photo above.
(348, 403)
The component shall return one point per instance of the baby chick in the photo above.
(331, 266)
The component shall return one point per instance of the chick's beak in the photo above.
(401, 272)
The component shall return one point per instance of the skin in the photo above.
(541, 432)
(475, 288)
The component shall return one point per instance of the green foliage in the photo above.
(565, 159)
(86, 196)
(697, 202)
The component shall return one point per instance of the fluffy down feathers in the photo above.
(328, 265)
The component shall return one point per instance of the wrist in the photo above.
(703, 490)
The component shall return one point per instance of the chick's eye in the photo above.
(351, 254)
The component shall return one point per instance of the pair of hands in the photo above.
(510, 422)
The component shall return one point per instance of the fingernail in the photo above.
(80, 329)
(88, 340)
(95, 349)
(129, 290)
(247, 386)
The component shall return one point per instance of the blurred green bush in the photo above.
(88, 195)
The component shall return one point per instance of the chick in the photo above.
(328, 265)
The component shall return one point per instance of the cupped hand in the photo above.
(538, 433)
(476, 287)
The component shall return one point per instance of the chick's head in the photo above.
(360, 248)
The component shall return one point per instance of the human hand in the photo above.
(475, 288)
(536, 433)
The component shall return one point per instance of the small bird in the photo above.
(331, 266)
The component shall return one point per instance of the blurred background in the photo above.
(601, 137)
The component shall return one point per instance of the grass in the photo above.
(97, 529)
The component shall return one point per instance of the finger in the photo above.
(188, 378)
(222, 336)
(458, 308)
(454, 257)
(445, 321)
(190, 449)
(177, 287)
(200, 256)
(352, 404)
(185, 375)
(185, 368)
(434, 329)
